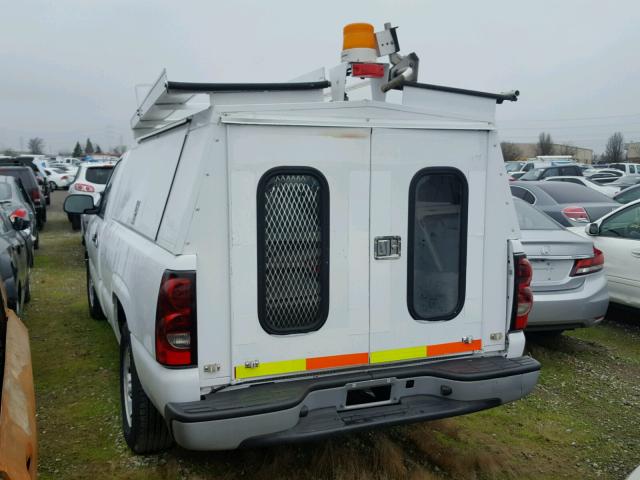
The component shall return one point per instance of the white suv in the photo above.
(91, 179)
(278, 267)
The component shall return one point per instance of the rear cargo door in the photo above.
(299, 224)
(426, 245)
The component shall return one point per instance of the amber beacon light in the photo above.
(359, 43)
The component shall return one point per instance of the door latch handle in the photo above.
(386, 248)
(94, 239)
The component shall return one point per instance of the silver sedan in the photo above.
(569, 285)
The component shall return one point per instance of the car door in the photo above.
(427, 192)
(619, 239)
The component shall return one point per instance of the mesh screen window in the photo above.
(293, 250)
(436, 262)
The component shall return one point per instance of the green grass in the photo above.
(582, 421)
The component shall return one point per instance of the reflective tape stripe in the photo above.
(453, 347)
(398, 354)
(354, 359)
(337, 361)
(271, 368)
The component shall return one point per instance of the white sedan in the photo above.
(604, 189)
(617, 234)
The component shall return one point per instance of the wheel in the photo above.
(27, 291)
(52, 186)
(144, 429)
(44, 214)
(75, 222)
(95, 310)
(36, 242)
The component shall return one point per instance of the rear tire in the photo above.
(27, 291)
(95, 310)
(52, 187)
(144, 429)
(75, 222)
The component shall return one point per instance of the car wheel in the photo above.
(36, 243)
(52, 186)
(95, 310)
(27, 291)
(75, 222)
(144, 429)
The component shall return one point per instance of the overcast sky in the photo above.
(69, 67)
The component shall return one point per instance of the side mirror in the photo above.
(592, 229)
(80, 204)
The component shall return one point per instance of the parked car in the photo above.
(18, 431)
(15, 257)
(15, 201)
(569, 285)
(513, 166)
(29, 182)
(58, 178)
(604, 189)
(604, 175)
(624, 182)
(216, 276)
(628, 194)
(34, 162)
(515, 175)
(568, 204)
(90, 180)
(626, 168)
(618, 236)
(553, 171)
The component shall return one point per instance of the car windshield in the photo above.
(99, 175)
(530, 218)
(512, 166)
(533, 174)
(5, 192)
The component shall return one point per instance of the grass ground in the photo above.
(582, 421)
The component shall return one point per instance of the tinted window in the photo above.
(293, 250)
(437, 243)
(629, 195)
(632, 169)
(625, 224)
(575, 171)
(523, 194)
(550, 172)
(617, 166)
(24, 174)
(567, 193)
(530, 218)
(533, 174)
(98, 175)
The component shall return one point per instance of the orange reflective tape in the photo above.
(337, 361)
(453, 347)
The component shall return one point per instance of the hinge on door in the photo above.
(387, 248)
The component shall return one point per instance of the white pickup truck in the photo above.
(280, 266)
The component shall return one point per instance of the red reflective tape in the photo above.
(369, 70)
(453, 347)
(334, 361)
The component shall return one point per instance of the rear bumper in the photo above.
(581, 307)
(314, 408)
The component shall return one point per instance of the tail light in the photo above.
(35, 195)
(523, 300)
(588, 265)
(19, 212)
(83, 187)
(176, 340)
(64, 177)
(577, 214)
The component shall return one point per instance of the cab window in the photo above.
(625, 224)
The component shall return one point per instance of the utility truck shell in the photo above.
(280, 267)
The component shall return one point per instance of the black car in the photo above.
(28, 179)
(552, 171)
(569, 204)
(14, 261)
(28, 161)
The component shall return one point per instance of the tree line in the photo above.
(614, 151)
(36, 146)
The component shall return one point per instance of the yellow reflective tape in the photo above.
(398, 354)
(271, 368)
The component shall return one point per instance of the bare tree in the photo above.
(119, 150)
(510, 151)
(545, 144)
(35, 145)
(614, 151)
